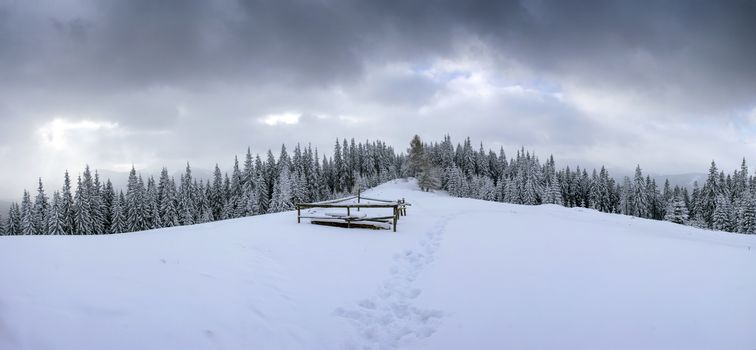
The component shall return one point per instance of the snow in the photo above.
(458, 274)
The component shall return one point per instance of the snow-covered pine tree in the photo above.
(626, 194)
(271, 173)
(666, 198)
(429, 176)
(54, 224)
(261, 194)
(136, 206)
(532, 189)
(118, 224)
(108, 195)
(204, 203)
(97, 205)
(186, 202)
(416, 157)
(27, 215)
(235, 191)
(486, 188)
(467, 161)
(553, 194)
(41, 206)
(66, 206)
(748, 219)
(13, 226)
(81, 210)
(154, 219)
(298, 187)
(281, 200)
(252, 203)
(721, 217)
(512, 193)
(652, 194)
(708, 196)
(457, 183)
(283, 160)
(217, 200)
(344, 170)
(639, 199)
(168, 206)
(676, 211)
(604, 186)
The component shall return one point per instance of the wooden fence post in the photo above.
(298, 214)
(395, 209)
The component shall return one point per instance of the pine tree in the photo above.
(186, 200)
(108, 196)
(206, 209)
(428, 177)
(299, 187)
(708, 196)
(168, 207)
(13, 227)
(118, 224)
(748, 220)
(236, 191)
(66, 206)
(639, 198)
(252, 203)
(136, 206)
(676, 211)
(532, 190)
(721, 217)
(54, 224)
(248, 173)
(455, 184)
(154, 219)
(271, 174)
(97, 206)
(27, 215)
(261, 193)
(41, 206)
(281, 200)
(81, 207)
(217, 200)
(604, 201)
(553, 193)
(416, 155)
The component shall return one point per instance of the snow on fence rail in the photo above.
(349, 220)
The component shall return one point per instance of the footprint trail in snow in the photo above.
(389, 319)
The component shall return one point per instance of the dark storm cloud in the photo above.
(652, 46)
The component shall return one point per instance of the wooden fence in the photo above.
(399, 208)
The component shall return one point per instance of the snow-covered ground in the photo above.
(458, 274)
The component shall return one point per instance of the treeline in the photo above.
(724, 202)
(254, 187)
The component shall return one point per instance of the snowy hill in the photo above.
(458, 274)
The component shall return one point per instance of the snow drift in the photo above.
(459, 274)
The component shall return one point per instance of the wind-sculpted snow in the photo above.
(458, 274)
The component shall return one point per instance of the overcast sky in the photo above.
(670, 85)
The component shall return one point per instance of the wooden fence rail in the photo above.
(399, 208)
